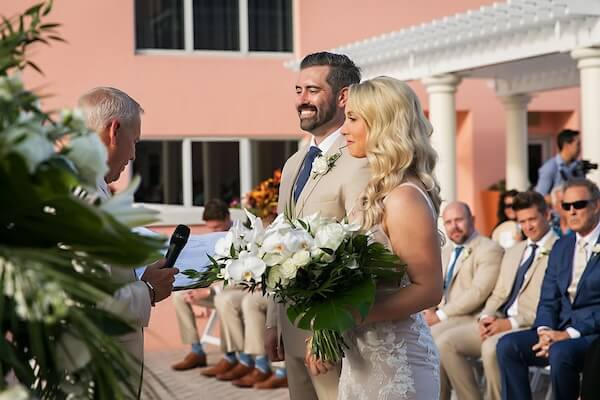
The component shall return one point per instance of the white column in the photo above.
(245, 167)
(442, 114)
(186, 170)
(588, 62)
(517, 158)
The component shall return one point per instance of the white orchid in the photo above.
(89, 156)
(246, 267)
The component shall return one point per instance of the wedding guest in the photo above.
(568, 315)
(244, 363)
(321, 95)
(559, 216)
(562, 167)
(511, 306)
(216, 218)
(471, 263)
(116, 118)
(507, 232)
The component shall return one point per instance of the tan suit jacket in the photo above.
(529, 294)
(474, 278)
(333, 195)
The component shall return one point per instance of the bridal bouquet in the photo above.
(324, 271)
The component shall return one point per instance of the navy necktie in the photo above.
(304, 174)
(519, 279)
(457, 251)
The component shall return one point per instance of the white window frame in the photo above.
(173, 214)
(188, 38)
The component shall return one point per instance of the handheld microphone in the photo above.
(178, 240)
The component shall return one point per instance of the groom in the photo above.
(321, 95)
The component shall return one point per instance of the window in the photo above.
(270, 25)
(221, 25)
(269, 155)
(215, 168)
(215, 171)
(159, 24)
(159, 165)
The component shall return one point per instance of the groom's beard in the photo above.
(322, 115)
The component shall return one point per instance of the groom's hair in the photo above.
(342, 70)
(103, 104)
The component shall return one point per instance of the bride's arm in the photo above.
(414, 237)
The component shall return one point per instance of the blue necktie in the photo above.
(304, 174)
(457, 251)
(519, 279)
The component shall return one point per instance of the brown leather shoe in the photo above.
(272, 383)
(235, 373)
(192, 360)
(255, 376)
(220, 368)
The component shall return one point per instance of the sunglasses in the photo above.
(578, 205)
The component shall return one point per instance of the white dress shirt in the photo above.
(326, 144)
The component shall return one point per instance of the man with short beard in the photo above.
(471, 264)
(321, 95)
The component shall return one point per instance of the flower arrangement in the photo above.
(58, 243)
(324, 271)
(262, 200)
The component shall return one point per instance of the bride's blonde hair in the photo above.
(398, 144)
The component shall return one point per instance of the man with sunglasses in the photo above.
(568, 315)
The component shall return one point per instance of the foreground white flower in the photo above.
(16, 392)
(246, 268)
(122, 209)
(30, 143)
(320, 166)
(89, 155)
(289, 269)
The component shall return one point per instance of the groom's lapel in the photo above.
(312, 183)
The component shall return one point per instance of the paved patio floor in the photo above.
(190, 385)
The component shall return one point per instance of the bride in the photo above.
(392, 354)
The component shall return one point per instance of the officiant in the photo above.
(116, 118)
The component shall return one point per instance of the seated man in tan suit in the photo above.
(244, 363)
(471, 263)
(321, 94)
(511, 306)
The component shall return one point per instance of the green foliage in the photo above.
(57, 245)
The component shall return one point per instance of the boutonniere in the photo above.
(466, 253)
(323, 164)
(596, 249)
(543, 253)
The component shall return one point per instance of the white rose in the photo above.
(274, 277)
(330, 236)
(289, 269)
(301, 258)
(246, 268)
(89, 155)
(319, 165)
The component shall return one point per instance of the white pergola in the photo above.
(522, 46)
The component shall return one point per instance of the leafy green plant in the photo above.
(58, 242)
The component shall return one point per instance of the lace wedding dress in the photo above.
(390, 360)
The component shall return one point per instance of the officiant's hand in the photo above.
(273, 345)
(161, 279)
